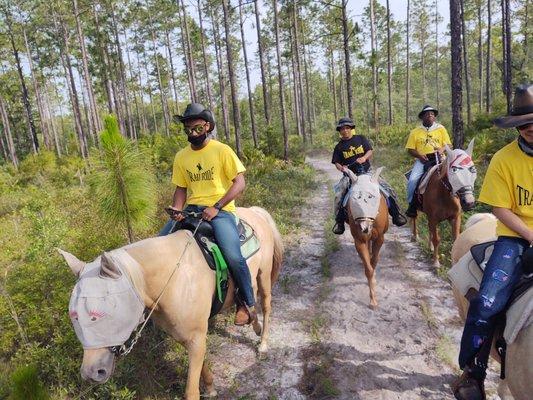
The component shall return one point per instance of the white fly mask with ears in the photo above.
(364, 198)
(462, 175)
(104, 306)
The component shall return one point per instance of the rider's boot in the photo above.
(411, 211)
(470, 386)
(338, 228)
(398, 218)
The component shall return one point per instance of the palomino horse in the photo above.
(481, 228)
(450, 188)
(112, 291)
(369, 220)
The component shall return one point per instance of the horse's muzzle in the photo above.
(467, 199)
(99, 369)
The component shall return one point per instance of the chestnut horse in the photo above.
(481, 228)
(449, 189)
(368, 218)
(108, 300)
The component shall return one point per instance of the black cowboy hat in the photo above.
(197, 111)
(427, 108)
(345, 121)
(522, 111)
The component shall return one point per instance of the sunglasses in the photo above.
(198, 129)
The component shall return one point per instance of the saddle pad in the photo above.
(249, 241)
(425, 179)
(519, 316)
(466, 275)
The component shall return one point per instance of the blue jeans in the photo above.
(501, 274)
(227, 237)
(416, 174)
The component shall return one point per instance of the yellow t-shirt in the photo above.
(426, 140)
(207, 173)
(509, 184)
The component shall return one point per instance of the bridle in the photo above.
(127, 346)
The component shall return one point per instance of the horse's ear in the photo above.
(377, 172)
(75, 265)
(469, 150)
(108, 269)
(351, 175)
(449, 152)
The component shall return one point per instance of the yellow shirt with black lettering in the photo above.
(426, 140)
(207, 173)
(509, 184)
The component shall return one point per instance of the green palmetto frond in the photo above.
(122, 181)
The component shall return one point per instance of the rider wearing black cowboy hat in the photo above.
(354, 152)
(208, 176)
(508, 188)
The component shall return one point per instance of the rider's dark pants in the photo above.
(227, 237)
(501, 274)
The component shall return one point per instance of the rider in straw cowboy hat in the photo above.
(508, 188)
(208, 176)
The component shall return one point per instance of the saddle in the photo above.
(205, 238)
(466, 276)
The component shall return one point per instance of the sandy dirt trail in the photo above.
(325, 340)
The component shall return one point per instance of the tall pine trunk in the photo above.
(32, 133)
(488, 64)
(506, 48)
(185, 29)
(281, 85)
(250, 98)
(456, 84)
(221, 75)
(7, 132)
(347, 64)
(407, 66)
(467, 70)
(204, 57)
(299, 81)
(95, 123)
(373, 59)
(233, 85)
(480, 56)
(389, 66)
(266, 102)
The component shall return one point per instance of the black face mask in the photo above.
(197, 140)
(525, 146)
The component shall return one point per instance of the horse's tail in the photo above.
(474, 219)
(278, 243)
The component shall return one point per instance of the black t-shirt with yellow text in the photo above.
(347, 151)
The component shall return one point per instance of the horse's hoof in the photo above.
(414, 239)
(373, 306)
(436, 264)
(263, 348)
(210, 393)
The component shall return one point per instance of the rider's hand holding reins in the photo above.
(209, 213)
(175, 214)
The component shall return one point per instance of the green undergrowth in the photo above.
(48, 204)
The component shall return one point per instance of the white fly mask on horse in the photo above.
(104, 306)
(462, 174)
(364, 198)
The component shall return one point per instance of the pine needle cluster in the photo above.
(122, 181)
